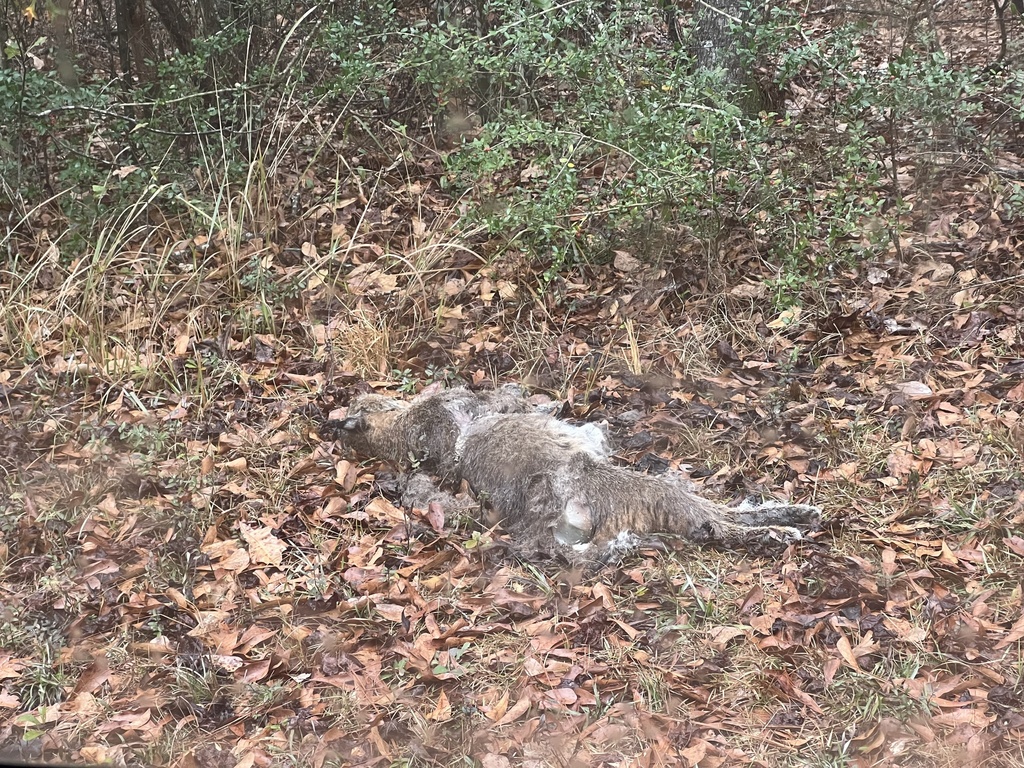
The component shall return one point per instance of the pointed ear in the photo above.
(354, 424)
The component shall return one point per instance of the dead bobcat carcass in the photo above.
(550, 483)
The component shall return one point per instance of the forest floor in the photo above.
(191, 576)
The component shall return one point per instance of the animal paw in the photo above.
(770, 540)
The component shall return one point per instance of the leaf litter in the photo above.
(278, 599)
(202, 580)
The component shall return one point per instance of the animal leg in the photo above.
(767, 540)
(772, 514)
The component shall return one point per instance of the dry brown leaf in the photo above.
(443, 711)
(517, 710)
(264, 547)
(391, 612)
(235, 465)
(94, 676)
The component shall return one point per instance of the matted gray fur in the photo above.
(550, 483)
(422, 433)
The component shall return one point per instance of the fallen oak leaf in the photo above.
(95, 676)
(443, 711)
(1016, 633)
(264, 546)
(1016, 544)
(517, 710)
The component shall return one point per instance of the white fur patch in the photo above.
(753, 506)
(625, 542)
(588, 438)
(460, 445)
(463, 421)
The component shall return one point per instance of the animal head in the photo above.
(369, 417)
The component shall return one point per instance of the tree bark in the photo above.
(122, 13)
(177, 25)
(140, 40)
(723, 33)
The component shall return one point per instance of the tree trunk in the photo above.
(723, 36)
(175, 22)
(140, 40)
(122, 17)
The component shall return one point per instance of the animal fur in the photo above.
(421, 434)
(547, 481)
(551, 484)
